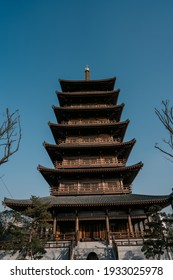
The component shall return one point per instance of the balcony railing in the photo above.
(87, 121)
(89, 105)
(121, 239)
(112, 187)
(65, 236)
(72, 163)
(126, 235)
(88, 140)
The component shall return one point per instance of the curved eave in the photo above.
(89, 85)
(94, 200)
(65, 113)
(65, 98)
(60, 130)
(90, 170)
(86, 93)
(52, 176)
(78, 146)
(54, 150)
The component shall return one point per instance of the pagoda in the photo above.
(91, 183)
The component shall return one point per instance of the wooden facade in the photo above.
(91, 184)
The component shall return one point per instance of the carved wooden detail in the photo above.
(89, 140)
(90, 161)
(102, 187)
(88, 121)
(89, 105)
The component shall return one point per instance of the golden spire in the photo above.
(87, 73)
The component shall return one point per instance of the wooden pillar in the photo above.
(130, 226)
(107, 223)
(83, 231)
(78, 186)
(107, 227)
(127, 227)
(100, 231)
(77, 228)
(77, 224)
(54, 226)
(135, 230)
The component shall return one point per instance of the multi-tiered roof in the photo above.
(90, 154)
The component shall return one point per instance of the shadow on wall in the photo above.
(2, 255)
(129, 255)
(64, 254)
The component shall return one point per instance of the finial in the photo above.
(87, 73)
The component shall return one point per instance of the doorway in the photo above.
(92, 230)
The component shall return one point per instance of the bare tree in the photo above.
(165, 115)
(10, 135)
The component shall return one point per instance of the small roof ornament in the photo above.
(87, 73)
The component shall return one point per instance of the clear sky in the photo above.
(42, 41)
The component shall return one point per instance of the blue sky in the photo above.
(42, 41)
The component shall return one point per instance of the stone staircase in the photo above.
(103, 251)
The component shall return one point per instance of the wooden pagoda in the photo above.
(91, 184)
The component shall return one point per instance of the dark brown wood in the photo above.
(90, 183)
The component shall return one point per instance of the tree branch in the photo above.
(10, 135)
(165, 116)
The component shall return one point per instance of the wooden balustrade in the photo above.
(89, 105)
(122, 238)
(65, 236)
(90, 162)
(88, 121)
(88, 140)
(125, 235)
(83, 188)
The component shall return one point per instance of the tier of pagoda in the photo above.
(91, 184)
